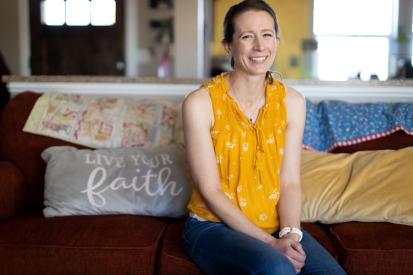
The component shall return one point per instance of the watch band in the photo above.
(287, 230)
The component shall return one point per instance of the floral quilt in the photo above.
(331, 124)
(103, 122)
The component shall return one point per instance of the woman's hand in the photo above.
(292, 249)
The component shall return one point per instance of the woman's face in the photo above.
(254, 42)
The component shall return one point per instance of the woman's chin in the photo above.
(258, 71)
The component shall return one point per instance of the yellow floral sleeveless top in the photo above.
(248, 154)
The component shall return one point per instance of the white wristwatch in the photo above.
(287, 230)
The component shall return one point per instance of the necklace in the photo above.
(251, 111)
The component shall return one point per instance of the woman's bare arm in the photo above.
(289, 206)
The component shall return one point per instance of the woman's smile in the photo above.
(258, 59)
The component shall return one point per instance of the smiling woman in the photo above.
(243, 133)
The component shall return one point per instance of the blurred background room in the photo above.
(333, 40)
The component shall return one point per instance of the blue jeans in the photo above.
(218, 249)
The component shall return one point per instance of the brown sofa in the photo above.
(128, 244)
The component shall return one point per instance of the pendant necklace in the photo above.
(252, 115)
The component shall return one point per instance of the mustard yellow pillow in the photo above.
(368, 186)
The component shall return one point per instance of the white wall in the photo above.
(131, 38)
(405, 22)
(24, 37)
(15, 35)
(189, 46)
(9, 41)
(149, 53)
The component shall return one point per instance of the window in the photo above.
(78, 12)
(53, 12)
(353, 38)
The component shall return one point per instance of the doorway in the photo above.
(76, 50)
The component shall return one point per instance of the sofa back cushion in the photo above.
(24, 149)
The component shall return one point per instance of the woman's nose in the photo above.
(258, 44)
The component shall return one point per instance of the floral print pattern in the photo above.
(332, 124)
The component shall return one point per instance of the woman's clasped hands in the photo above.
(292, 249)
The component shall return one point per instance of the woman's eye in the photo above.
(246, 36)
(268, 35)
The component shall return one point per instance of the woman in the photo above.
(243, 133)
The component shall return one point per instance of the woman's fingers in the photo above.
(296, 256)
(297, 265)
(298, 247)
(293, 251)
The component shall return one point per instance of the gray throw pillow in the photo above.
(146, 181)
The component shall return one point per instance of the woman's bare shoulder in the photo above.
(198, 96)
(294, 97)
(198, 105)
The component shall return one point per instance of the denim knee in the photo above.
(273, 264)
(336, 270)
(217, 249)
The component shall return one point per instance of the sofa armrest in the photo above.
(11, 190)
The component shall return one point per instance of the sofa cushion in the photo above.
(370, 186)
(148, 181)
(374, 248)
(11, 190)
(79, 245)
(103, 121)
(173, 259)
(321, 234)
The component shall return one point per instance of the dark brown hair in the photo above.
(244, 6)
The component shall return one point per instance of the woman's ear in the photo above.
(227, 47)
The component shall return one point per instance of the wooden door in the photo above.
(76, 50)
